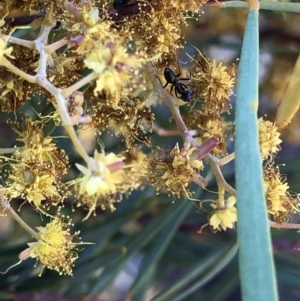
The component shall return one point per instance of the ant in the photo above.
(119, 3)
(181, 90)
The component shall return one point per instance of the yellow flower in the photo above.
(279, 201)
(173, 172)
(268, 138)
(103, 177)
(55, 248)
(33, 187)
(213, 81)
(225, 217)
(36, 169)
(114, 67)
(105, 173)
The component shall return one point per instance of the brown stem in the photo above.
(206, 147)
(284, 225)
(253, 4)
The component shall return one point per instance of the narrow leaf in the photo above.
(160, 245)
(202, 272)
(255, 253)
(291, 99)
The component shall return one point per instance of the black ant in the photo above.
(119, 3)
(181, 90)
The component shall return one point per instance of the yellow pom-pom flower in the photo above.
(268, 138)
(55, 249)
(224, 217)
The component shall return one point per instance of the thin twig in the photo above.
(11, 212)
(218, 174)
(284, 225)
(227, 159)
(18, 41)
(8, 150)
(41, 79)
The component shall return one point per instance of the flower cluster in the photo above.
(214, 83)
(90, 65)
(173, 172)
(36, 168)
(132, 119)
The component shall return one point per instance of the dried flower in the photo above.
(172, 172)
(36, 169)
(279, 201)
(132, 119)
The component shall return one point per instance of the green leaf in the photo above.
(280, 6)
(159, 246)
(202, 272)
(143, 238)
(257, 274)
(222, 287)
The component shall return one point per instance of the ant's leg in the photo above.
(164, 85)
(172, 89)
(176, 93)
(178, 68)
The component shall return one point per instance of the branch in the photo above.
(6, 208)
(284, 225)
(202, 149)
